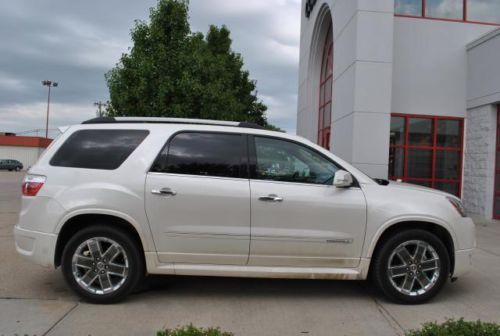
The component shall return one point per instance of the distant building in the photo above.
(407, 89)
(27, 150)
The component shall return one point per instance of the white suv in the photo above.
(115, 199)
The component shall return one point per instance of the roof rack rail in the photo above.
(149, 120)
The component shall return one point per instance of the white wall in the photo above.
(430, 66)
(363, 33)
(484, 70)
(26, 155)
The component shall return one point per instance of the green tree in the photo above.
(173, 72)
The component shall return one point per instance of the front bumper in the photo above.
(463, 262)
(37, 247)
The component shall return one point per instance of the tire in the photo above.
(108, 274)
(18, 169)
(405, 277)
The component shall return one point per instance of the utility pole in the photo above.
(100, 105)
(50, 84)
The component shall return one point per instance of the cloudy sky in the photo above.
(77, 42)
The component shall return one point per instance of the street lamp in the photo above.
(50, 85)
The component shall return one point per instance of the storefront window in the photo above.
(427, 150)
(445, 9)
(474, 11)
(325, 92)
(483, 11)
(408, 7)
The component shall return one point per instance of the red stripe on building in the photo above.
(24, 141)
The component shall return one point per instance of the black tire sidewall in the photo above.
(136, 264)
(381, 259)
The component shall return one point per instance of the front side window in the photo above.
(427, 151)
(281, 160)
(98, 149)
(203, 154)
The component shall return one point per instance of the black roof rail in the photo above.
(100, 120)
(135, 120)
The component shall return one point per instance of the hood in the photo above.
(408, 186)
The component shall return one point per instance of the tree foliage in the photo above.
(173, 72)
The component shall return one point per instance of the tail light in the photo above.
(32, 184)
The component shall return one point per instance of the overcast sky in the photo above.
(77, 42)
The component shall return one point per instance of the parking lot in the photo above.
(36, 301)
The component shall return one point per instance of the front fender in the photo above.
(406, 220)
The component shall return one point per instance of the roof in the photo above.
(24, 141)
(149, 120)
(484, 38)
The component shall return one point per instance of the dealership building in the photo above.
(407, 90)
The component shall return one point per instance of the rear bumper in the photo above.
(463, 262)
(35, 246)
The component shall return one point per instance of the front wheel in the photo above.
(411, 266)
(102, 264)
(18, 169)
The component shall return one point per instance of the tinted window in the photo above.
(281, 160)
(98, 149)
(203, 154)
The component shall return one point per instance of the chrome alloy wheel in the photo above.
(100, 265)
(414, 267)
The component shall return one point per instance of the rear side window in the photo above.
(98, 149)
(203, 154)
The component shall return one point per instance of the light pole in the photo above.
(50, 84)
(100, 105)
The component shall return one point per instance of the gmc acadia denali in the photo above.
(115, 199)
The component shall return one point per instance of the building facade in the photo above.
(407, 90)
(24, 149)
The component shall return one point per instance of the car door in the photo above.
(298, 217)
(198, 199)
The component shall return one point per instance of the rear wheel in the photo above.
(411, 267)
(102, 264)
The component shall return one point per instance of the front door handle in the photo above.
(271, 198)
(163, 192)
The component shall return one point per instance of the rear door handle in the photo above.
(163, 192)
(271, 198)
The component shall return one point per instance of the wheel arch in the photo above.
(438, 230)
(77, 222)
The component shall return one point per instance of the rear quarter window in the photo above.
(98, 149)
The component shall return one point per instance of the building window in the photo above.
(484, 11)
(474, 11)
(325, 92)
(408, 7)
(427, 150)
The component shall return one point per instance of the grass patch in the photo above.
(191, 330)
(457, 328)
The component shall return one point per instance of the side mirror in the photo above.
(343, 179)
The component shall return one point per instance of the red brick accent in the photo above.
(24, 141)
